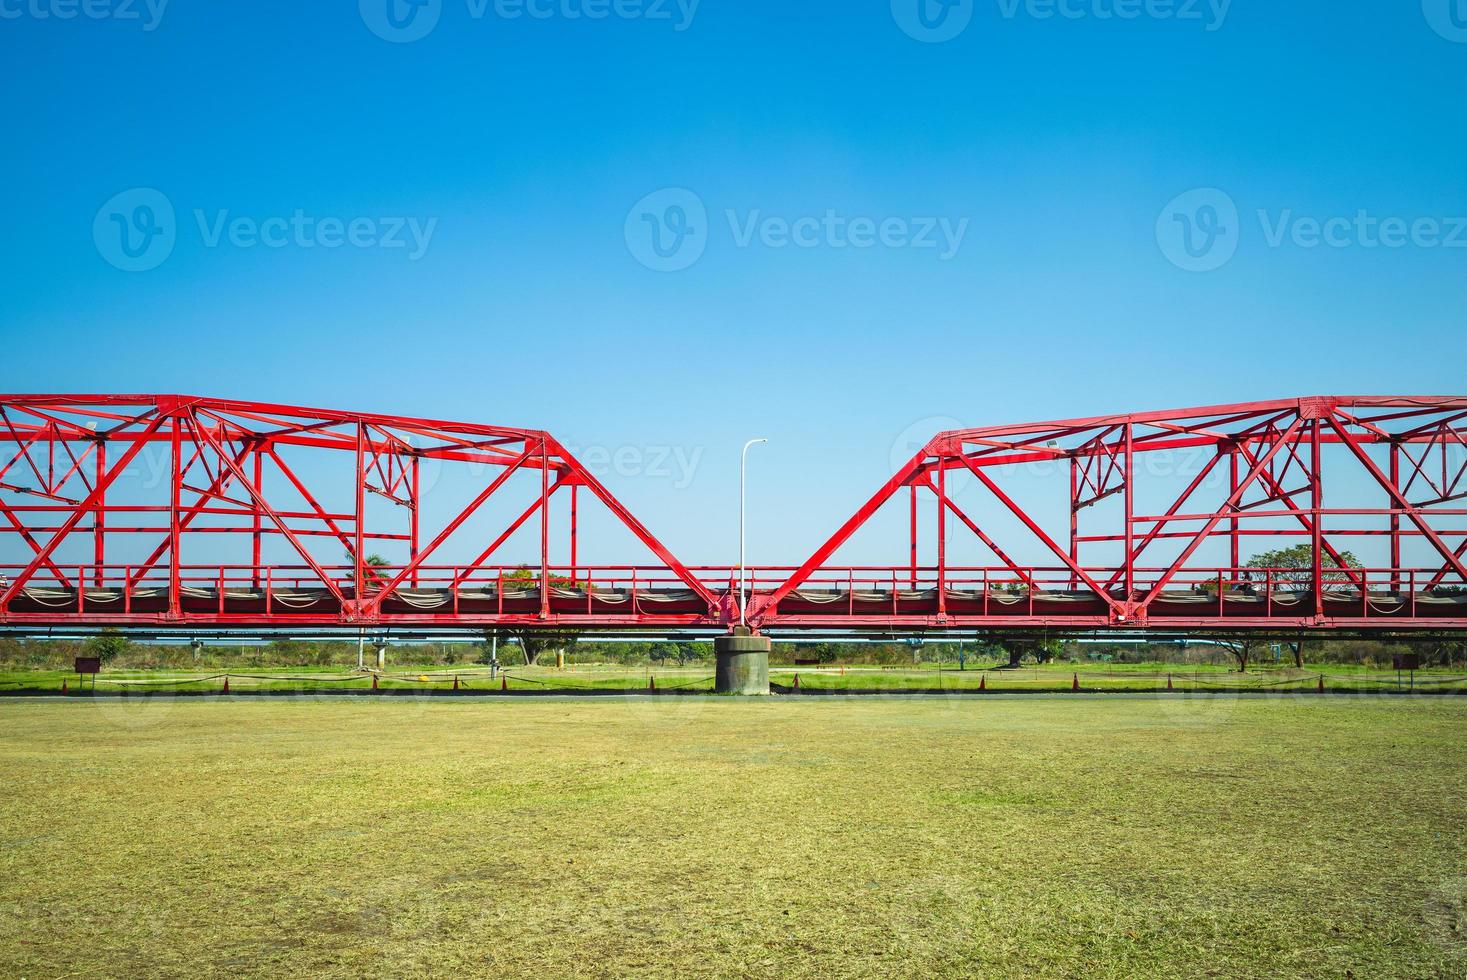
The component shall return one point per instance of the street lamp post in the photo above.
(743, 483)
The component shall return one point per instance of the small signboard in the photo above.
(1408, 662)
(88, 665)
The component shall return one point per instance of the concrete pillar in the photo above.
(743, 664)
(381, 656)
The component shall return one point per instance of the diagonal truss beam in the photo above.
(981, 535)
(508, 532)
(1229, 506)
(202, 432)
(1044, 537)
(375, 604)
(1412, 512)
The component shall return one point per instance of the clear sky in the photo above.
(669, 227)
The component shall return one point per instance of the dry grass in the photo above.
(705, 836)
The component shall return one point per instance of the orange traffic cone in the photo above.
(63, 685)
(1075, 683)
(651, 683)
(455, 682)
(226, 684)
(983, 683)
(504, 683)
(374, 682)
(1321, 683)
(1169, 682)
(797, 682)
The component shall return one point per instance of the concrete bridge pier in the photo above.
(743, 663)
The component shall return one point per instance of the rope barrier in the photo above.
(679, 687)
(322, 680)
(173, 682)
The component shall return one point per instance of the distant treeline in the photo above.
(118, 652)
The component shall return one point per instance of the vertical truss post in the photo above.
(574, 531)
(1130, 518)
(257, 481)
(359, 529)
(941, 540)
(174, 531)
(544, 529)
(99, 519)
(1316, 531)
(913, 494)
(1074, 518)
(414, 510)
(1395, 518)
(1235, 553)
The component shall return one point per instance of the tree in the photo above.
(1044, 651)
(108, 645)
(536, 643)
(526, 577)
(1242, 650)
(1294, 567)
(370, 564)
(1443, 650)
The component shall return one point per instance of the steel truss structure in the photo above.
(1259, 480)
(260, 472)
(1129, 539)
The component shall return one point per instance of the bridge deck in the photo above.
(644, 597)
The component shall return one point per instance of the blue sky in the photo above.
(519, 147)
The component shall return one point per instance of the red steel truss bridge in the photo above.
(164, 511)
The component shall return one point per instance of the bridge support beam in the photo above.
(743, 664)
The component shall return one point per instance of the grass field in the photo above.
(717, 837)
(699, 678)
